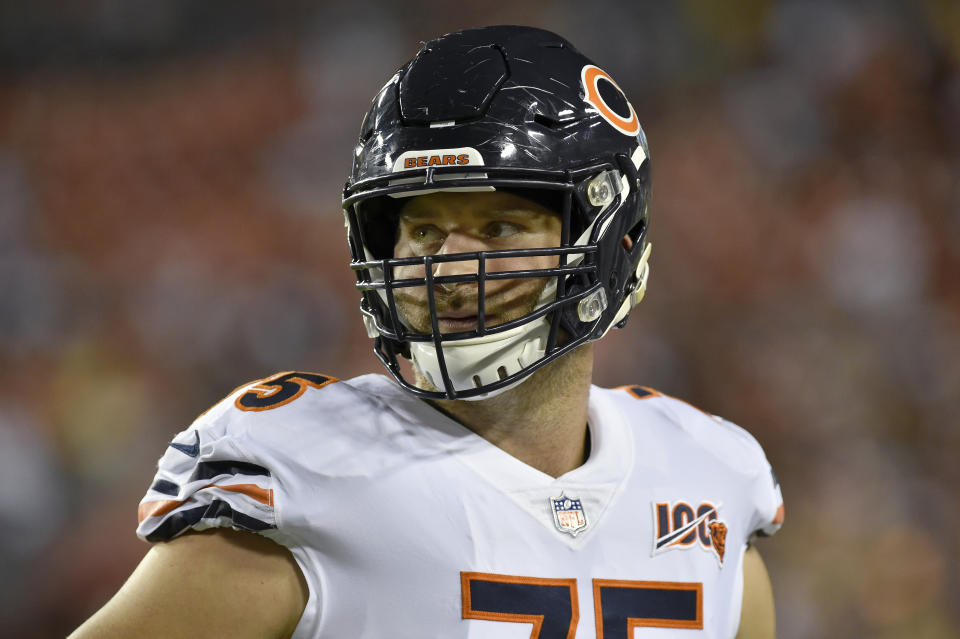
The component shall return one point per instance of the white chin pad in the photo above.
(483, 360)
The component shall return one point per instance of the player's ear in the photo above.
(627, 242)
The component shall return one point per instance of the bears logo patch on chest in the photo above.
(680, 526)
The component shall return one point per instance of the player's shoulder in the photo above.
(296, 393)
(293, 405)
(688, 426)
(230, 466)
(262, 434)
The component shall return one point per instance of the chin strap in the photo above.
(474, 362)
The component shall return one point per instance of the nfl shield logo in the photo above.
(568, 514)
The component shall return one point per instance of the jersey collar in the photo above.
(597, 483)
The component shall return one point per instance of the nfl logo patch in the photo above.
(568, 514)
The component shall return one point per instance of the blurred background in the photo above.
(170, 174)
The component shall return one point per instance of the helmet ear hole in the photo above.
(636, 232)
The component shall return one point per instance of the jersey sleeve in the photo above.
(765, 494)
(768, 499)
(763, 501)
(205, 480)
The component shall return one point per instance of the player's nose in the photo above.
(454, 244)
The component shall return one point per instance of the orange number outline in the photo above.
(537, 620)
(291, 382)
(649, 622)
(468, 611)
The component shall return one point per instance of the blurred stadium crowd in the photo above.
(170, 227)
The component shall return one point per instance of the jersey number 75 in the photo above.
(551, 604)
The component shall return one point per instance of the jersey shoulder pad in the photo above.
(221, 471)
(733, 445)
(730, 443)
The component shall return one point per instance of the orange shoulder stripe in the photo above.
(778, 518)
(159, 508)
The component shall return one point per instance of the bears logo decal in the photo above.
(596, 82)
(718, 538)
(680, 526)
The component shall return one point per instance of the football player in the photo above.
(497, 215)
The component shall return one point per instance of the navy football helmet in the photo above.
(519, 109)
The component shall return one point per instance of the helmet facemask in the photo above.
(486, 360)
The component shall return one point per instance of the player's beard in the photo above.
(509, 300)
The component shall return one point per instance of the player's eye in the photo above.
(501, 229)
(426, 232)
(426, 236)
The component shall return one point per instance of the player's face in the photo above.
(447, 223)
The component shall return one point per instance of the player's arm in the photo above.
(219, 583)
(757, 617)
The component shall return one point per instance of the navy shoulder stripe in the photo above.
(165, 487)
(211, 469)
(179, 521)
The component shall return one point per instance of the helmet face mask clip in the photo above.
(548, 146)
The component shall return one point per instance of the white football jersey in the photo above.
(407, 524)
